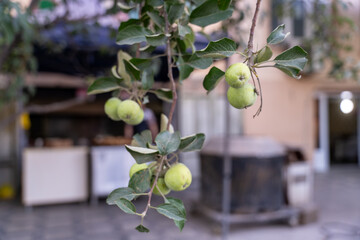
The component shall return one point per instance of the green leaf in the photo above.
(209, 13)
(132, 70)
(213, 78)
(143, 138)
(147, 79)
(292, 72)
(157, 19)
(291, 61)
(115, 73)
(121, 56)
(155, 3)
(125, 7)
(125, 192)
(277, 35)
(174, 10)
(167, 142)
(180, 206)
(142, 155)
(222, 48)
(126, 206)
(156, 39)
(164, 122)
(184, 30)
(104, 84)
(130, 34)
(164, 94)
(170, 211)
(192, 143)
(184, 69)
(140, 181)
(263, 55)
(143, 229)
(223, 4)
(141, 63)
(197, 62)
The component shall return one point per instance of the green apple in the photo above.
(137, 119)
(137, 167)
(130, 112)
(242, 97)
(110, 108)
(178, 177)
(237, 75)
(160, 185)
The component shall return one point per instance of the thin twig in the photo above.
(260, 92)
(251, 54)
(252, 29)
(170, 72)
(150, 193)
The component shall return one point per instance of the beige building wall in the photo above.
(289, 109)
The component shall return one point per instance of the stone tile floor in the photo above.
(337, 195)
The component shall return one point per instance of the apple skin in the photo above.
(137, 167)
(162, 187)
(130, 112)
(111, 107)
(237, 75)
(242, 97)
(178, 177)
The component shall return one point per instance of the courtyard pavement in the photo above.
(337, 195)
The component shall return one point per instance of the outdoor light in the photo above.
(346, 106)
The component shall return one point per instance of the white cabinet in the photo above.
(110, 166)
(54, 175)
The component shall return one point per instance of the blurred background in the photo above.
(295, 168)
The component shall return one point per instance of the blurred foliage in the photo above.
(16, 44)
(331, 35)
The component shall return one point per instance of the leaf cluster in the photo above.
(159, 154)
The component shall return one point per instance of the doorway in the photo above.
(343, 138)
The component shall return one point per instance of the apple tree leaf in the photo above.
(125, 192)
(132, 70)
(208, 13)
(104, 84)
(167, 142)
(213, 78)
(171, 211)
(277, 35)
(263, 55)
(143, 138)
(222, 48)
(140, 181)
(141, 154)
(180, 206)
(164, 94)
(142, 228)
(192, 143)
(126, 205)
(224, 4)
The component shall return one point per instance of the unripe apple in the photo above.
(160, 185)
(237, 75)
(178, 177)
(130, 112)
(111, 107)
(242, 97)
(137, 167)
